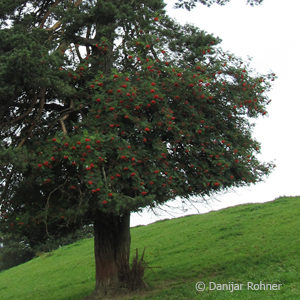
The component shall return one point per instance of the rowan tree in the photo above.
(108, 107)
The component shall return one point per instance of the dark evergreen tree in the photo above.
(108, 107)
(14, 251)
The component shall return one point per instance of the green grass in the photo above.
(246, 243)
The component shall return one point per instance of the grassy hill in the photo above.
(246, 243)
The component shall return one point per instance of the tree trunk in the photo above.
(112, 245)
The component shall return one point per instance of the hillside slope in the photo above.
(247, 243)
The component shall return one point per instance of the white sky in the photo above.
(269, 33)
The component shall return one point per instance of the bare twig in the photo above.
(104, 176)
(48, 204)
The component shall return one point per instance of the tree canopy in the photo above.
(111, 106)
(189, 4)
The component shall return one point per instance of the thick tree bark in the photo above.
(112, 245)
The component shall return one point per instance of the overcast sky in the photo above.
(269, 34)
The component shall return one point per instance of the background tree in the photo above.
(13, 251)
(108, 107)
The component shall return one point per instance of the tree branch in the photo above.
(48, 204)
(85, 41)
(26, 113)
(48, 13)
(63, 126)
(58, 23)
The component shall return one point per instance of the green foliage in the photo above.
(189, 4)
(62, 239)
(253, 242)
(14, 252)
(112, 106)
